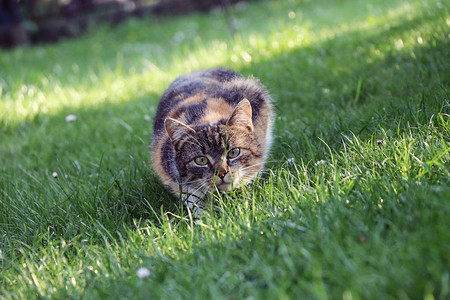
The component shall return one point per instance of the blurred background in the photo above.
(25, 22)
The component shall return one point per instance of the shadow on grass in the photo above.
(105, 153)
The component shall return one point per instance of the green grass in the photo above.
(336, 215)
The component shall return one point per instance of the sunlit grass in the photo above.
(133, 69)
(354, 203)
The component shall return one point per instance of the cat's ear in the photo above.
(177, 130)
(242, 115)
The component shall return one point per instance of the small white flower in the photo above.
(1, 254)
(290, 160)
(147, 118)
(143, 273)
(325, 91)
(399, 44)
(71, 118)
(55, 175)
(320, 162)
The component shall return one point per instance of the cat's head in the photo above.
(221, 155)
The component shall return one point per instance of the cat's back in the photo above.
(191, 96)
(189, 92)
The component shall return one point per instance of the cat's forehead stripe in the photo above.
(215, 110)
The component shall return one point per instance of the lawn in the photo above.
(355, 201)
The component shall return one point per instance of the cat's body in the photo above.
(212, 130)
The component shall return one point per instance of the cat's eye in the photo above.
(201, 160)
(233, 153)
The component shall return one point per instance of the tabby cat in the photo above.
(212, 131)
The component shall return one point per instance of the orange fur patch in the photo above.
(158, 167)
(216, 109)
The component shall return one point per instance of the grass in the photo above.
(355, 200)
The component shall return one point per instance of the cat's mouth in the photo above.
(224, 186)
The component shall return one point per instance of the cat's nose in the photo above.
(222, 173)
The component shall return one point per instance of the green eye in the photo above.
(233, 153)
(201, 160)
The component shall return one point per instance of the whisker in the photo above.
(258, 164)
(248, 175)
(273, 161)
(248, 167)
(252, 174)
(192, 193)
(198, 188)
(268, 161)
(192, 181)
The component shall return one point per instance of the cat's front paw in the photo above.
(196, 206)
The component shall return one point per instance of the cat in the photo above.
(212, 131)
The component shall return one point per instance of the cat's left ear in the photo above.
(242, 115)
(177, 130)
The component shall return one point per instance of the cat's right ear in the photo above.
(242, 115)
(177, 130)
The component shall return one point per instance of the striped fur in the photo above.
(210, 116)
